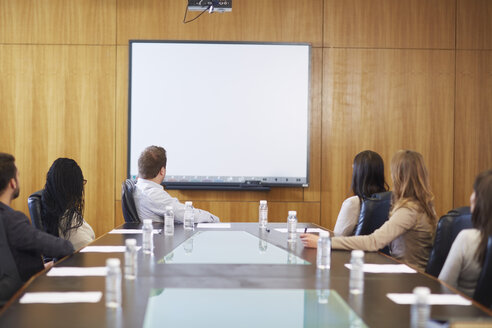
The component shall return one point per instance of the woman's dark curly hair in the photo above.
(62, 198)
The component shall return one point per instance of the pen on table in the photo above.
(305, 229)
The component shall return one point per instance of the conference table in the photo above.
(229, 275)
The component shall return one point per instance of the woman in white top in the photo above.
(466, 257)
(62, 203)
(367, 179)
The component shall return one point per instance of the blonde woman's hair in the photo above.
(411, 184)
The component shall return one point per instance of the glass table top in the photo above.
(229, 247)
(181, 307)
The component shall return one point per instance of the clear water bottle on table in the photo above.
(420, 310)
(292, 226)
(323, 254)
(356, 283)
(147, 236)
(189, 219)
(131, 259)
(113, 283)
(169, 221)
(263, 214)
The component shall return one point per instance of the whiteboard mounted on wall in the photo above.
(228, 114)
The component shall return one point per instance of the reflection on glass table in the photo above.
(230, 247)
(182, 307)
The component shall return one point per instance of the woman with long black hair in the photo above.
(62, 203)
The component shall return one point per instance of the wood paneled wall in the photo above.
(385, 75)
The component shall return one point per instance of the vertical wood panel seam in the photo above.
(454, 105)
(115, 42)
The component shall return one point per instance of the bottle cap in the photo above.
(263, 202)
(324, 234)
(421, 293)
(357, 253)
(169, 208)
(188, 203)
(292, 213)
(147, 221)
(131, 242)
(113, 262)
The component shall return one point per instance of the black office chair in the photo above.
(10, 280)
(374, 212)
(34, 204)
(127, 202)
(448, 227)
(483, 291)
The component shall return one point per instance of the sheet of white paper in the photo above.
(61, 297)
(105, 249)
(434, 299)
(284, 230)
(213, 225)
(385, 268)
(132, 231)
(76, 271)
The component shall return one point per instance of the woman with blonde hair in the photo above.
(410, 229)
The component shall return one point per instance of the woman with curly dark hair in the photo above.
(62, 203)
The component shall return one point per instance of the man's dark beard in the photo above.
(16, 191)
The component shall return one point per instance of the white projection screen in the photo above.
(228, 114)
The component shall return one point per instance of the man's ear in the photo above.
(163, 171)
(13, 183)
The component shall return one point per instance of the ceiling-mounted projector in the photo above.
(212, 5)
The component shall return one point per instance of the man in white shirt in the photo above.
(149, 195)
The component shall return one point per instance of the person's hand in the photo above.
(48, 265)
(309, 240)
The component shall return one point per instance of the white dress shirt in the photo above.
(151, 201)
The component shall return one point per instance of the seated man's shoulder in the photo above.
(8, 214)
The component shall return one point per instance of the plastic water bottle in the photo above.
(189, 220)
(292, 226)
(131, 259)
(113, 283)
(169, 221)
(356, 283)
(263, 214)
(323, 254)
(420, 310)
(147, 236)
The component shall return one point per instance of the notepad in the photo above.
(76, 271)
(384, 268)
(61, 297)
(132, 231)
(213, 225)
(434, 299)
(284, 230)
(105, 249)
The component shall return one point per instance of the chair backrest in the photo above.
(448, 227)
(34, 204)
(374, 212)
(483, 291)
(127, 202)
(10, 280)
